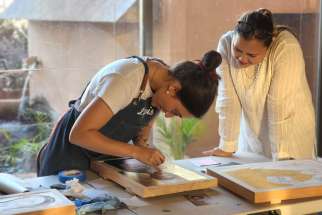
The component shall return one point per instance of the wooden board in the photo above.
(272, 181)
(45, 202)
(142, 180)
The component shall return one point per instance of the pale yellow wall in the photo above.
(72, 53)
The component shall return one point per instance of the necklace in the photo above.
(250, 75)
(251, 72)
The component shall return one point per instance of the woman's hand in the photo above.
(149, 156)
(217, 152)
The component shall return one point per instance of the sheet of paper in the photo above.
(206, 161)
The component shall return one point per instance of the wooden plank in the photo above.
(145, 185)
(272, 181)
(45, 202)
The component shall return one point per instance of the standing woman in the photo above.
(119, 105)
(264, 101)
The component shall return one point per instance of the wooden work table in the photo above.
(215, 201)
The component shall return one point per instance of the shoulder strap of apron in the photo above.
(72, 102)
(145, 78)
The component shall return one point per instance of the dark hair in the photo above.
(199, 82)
(256, 24)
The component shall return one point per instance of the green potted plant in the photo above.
(175, 134)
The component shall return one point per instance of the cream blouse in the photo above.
(266, 108)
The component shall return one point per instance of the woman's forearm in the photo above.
(93, 140)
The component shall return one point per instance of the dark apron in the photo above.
(59, 154)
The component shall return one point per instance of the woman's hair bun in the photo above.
(265, 12)
(211, 60)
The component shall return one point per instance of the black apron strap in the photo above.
(72, 102)
(146, 68)
(145, 78)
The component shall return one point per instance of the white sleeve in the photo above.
(227, 105)
(116, 92)
(288, 70)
